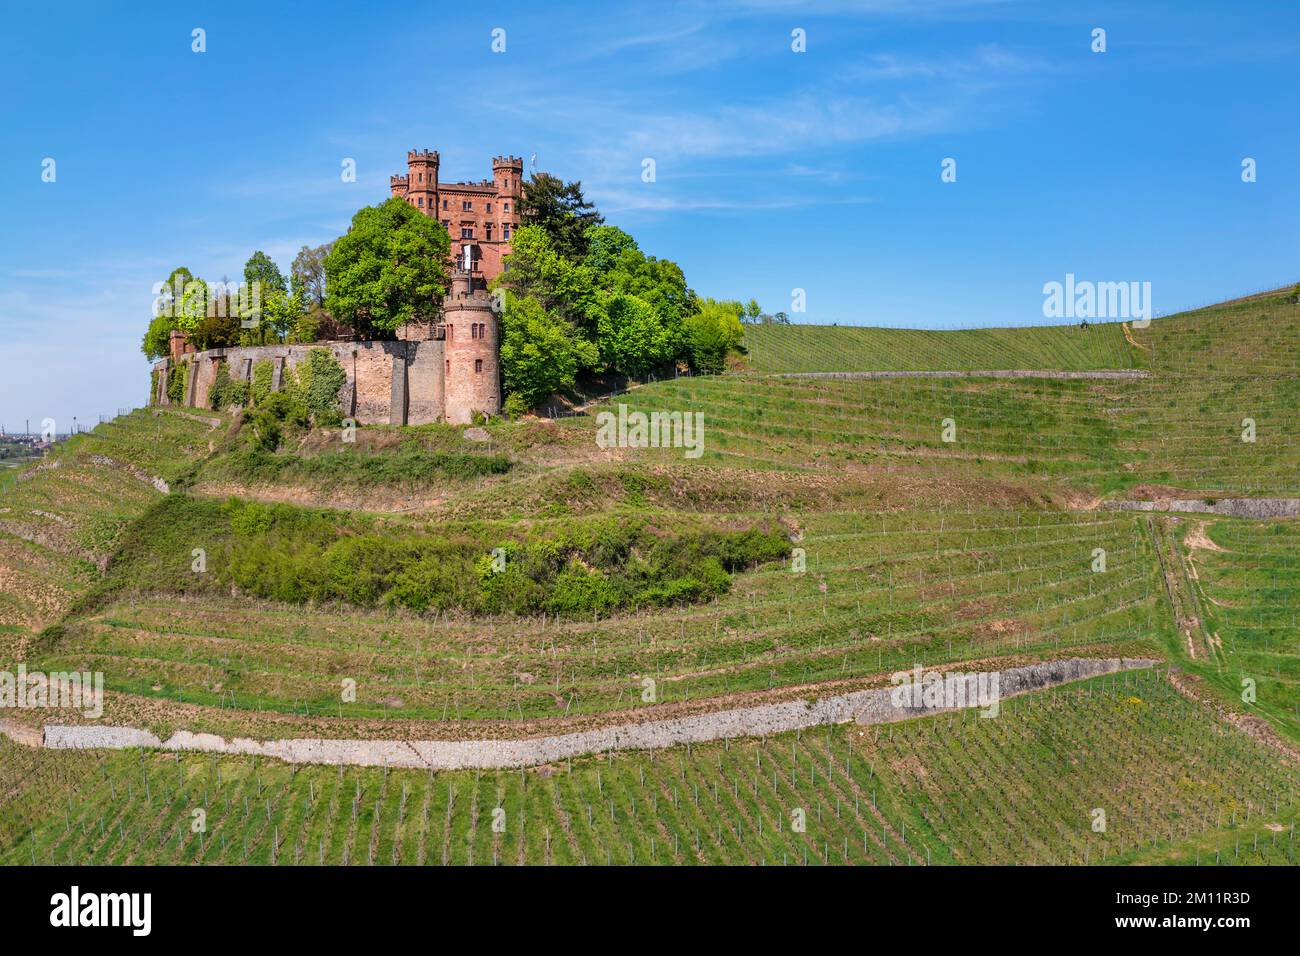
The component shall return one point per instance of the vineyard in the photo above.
(62, 518)
(915, 522)
(873, 593)
(830, 348)
(1173, 785)
(1247, 574)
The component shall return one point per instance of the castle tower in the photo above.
(422, 181)
(507, 176)
(472, 376)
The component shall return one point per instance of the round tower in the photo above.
(507, 176)
(472, 377)
(422, 180)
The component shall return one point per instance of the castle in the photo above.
(446, 370)
(480, 216)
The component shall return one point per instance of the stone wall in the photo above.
(399, 383)
(864, 707)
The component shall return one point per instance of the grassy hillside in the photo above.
(881, 592)
(898, 547)
(830, 348)
(63, 517)
(1174, 785)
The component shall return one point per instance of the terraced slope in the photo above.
(1247, 578)
(830, 348)
(874, 593)
(1217, 413)
(61, 519)
(1174, 784)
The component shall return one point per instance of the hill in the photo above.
(834, 531)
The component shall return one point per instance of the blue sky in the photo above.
(776, 170)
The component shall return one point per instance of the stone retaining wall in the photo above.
(1123, 374)
(1230, 507)
(866, 707)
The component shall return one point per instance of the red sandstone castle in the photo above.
(445, 370)
(482, 216)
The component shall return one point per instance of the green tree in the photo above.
(537, 270)
(308, 274)
(390, 268)
(562, 211)
(712, 333)
(753, 310)
(540, 353)
(261, 268)
(633, 337)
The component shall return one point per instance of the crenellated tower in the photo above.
(472, 377)
(422, 180)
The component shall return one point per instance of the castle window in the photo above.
(450, 330)
(473, 331)
(448, 366)
(505, 230)
(478, 365)
(466, 205)
(444, 204)
(467, 232)
(419, 177)
(489, 207)
(420, 202)
(446, 224)
(487, 229)
(506, 207)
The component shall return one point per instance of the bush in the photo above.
(285, 553)
(263, 374)
(176, 385)
(711, 334)
(226, 391)
(320, 378)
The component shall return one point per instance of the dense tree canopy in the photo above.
(562, 211)
(388, 269)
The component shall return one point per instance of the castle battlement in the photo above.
(479, 214)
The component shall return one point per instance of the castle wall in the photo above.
(397, 383)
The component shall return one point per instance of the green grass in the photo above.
(406, 466)
(899, 588)
(1176, 786)
(825, 348)
(1249, 601)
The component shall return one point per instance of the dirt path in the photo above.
(865, 707)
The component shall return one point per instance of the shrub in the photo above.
(263, 374)
(227, 391)
(320, 378)
(176, 384)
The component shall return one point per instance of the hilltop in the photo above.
(834, 531)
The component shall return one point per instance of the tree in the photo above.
(712, 333)
(389, 269)
(157, 337)
(540, 353)
(308, 273)
(606, 247)
(261, 269)
(753, 310)
(562, 211)
(537, 270)
(633, 337)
